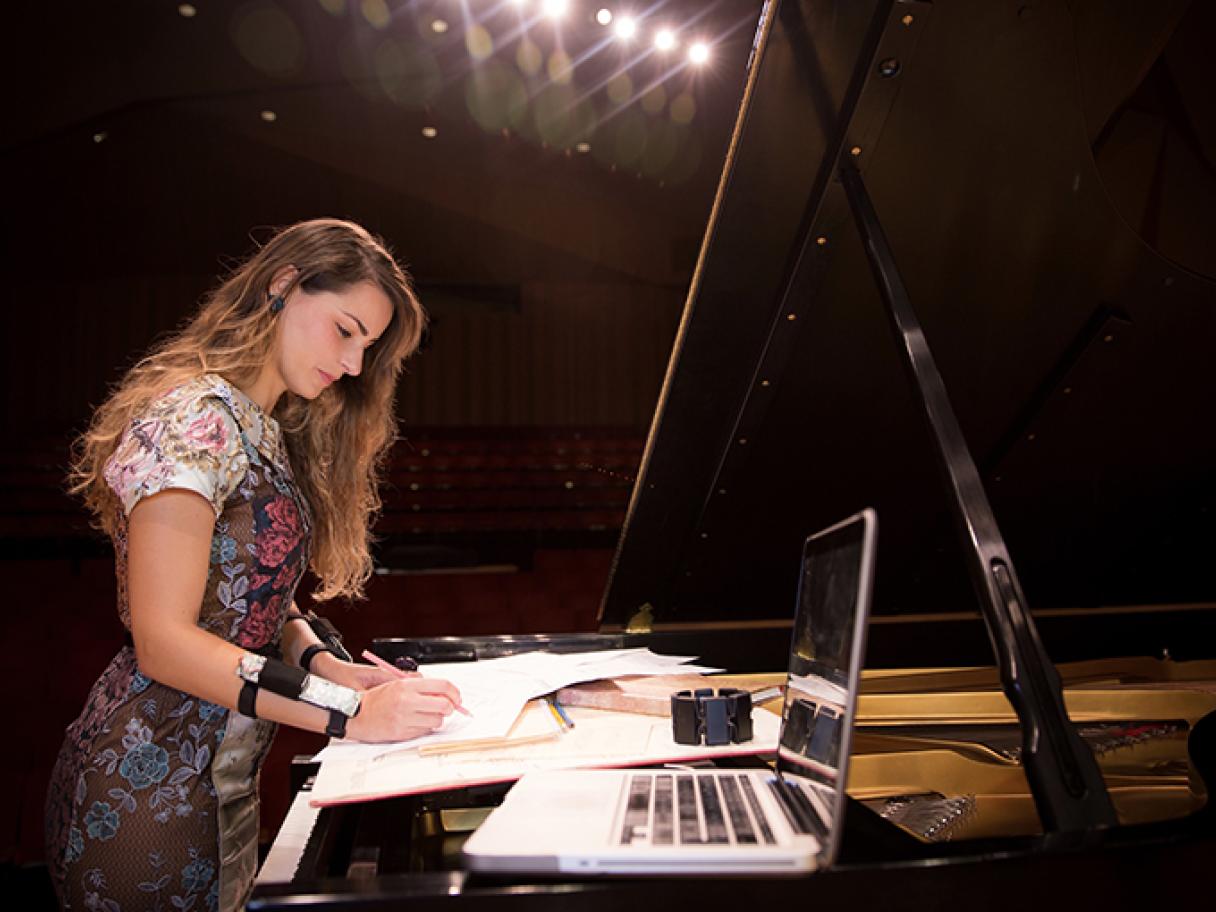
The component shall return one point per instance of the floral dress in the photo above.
(153, 802)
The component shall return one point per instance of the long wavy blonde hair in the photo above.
(336, 442)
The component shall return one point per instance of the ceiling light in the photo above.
(664, 39)
(439, 26)
(269, 116)
(554, 9)
(430, 132)
(604, 17)
(186, 10)
(99, 137)
(625, 28)
(583, 147)
(698, 53)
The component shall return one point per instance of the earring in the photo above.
(276, 304)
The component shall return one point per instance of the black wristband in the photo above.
(281, 678)
(247, 702)
(336, 727)
(700, 717)
(310, 653)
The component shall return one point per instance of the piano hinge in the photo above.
(642, 620)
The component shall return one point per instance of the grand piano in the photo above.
(927, 285)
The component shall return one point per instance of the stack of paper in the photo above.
(495, 691)
(599, 738)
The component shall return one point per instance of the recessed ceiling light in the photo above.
(439, 26)
(555, 9)
(269, 116)
(100, 137)
(604, 16)
(698, 53)
(186, 10)
(583, 147)
(664, 39)
(430, 132)
(625, 28)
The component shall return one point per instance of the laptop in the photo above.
(675, 821)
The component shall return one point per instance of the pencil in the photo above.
(455, 747)
(564, 719)
(392, 669)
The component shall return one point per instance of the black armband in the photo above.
(310, 653)
(326, 632)
(296, 684)
(247, 702)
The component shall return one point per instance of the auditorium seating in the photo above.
(484, 530)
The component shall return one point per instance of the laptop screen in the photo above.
(825, 664)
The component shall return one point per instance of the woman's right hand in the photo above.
(402, 709)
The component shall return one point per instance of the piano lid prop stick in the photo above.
(385, 666)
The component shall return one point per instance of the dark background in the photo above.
(138, 166)
(139, 161)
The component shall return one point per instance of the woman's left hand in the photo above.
(355, 675)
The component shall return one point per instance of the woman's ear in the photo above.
(282, 280)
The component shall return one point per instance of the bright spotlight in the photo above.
(699, 52)
(555, 9)
(664, 39)
(625, 28)
(604, 17)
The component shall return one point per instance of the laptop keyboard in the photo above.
(716, 809)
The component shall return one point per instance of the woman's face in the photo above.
(323, 335)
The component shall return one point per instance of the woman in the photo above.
(241, 451)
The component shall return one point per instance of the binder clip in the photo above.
(700, 717)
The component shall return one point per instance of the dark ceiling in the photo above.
(139, 138)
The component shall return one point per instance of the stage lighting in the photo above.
(664, 39)
(698, 53)
(604, 17)
(555, 9)
(625, 28)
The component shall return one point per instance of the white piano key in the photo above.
(284, 856)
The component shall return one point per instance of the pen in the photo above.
(385, 666)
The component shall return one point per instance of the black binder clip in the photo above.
(697, 716)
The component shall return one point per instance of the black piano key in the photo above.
(745, 834)
(690, 819)
(312, 858)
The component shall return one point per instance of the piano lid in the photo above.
(1050, 250)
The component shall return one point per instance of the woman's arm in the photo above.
(298, 635)
(169, 546)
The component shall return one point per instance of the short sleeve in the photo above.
(190, 443)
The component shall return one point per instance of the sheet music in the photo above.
(495, 691)
(600, 738)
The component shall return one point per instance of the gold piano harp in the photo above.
(936, 749)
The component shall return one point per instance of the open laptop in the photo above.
(671, 821)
